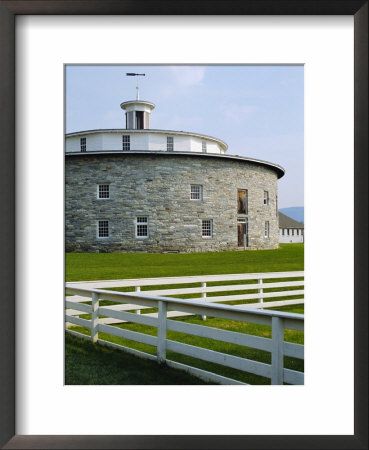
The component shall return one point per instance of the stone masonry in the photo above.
(158, 187)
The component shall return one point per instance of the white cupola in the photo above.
(137, 114)
(137, 111)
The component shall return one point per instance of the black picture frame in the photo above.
(8, 11)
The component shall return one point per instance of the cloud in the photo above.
(186, 76)
(238, 113)
(184, 123)
(113, 115)
(113, 119)
(179, 80)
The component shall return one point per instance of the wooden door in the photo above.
(241, 229)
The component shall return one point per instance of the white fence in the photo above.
(167, 307)
(263, 285)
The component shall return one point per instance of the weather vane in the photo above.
(130, 74)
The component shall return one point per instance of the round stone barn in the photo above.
(144, 190)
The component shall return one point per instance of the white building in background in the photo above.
(290, 231)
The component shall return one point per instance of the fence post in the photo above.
(138, 289)
(162, 332)
(260, 291)
(95, 318)
(203, 296)
(277, 350)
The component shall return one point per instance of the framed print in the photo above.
(38, 39)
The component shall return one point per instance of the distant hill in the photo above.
(295, 212)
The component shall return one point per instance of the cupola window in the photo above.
(139, 120)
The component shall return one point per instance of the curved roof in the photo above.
(149, 130)
(278, 169)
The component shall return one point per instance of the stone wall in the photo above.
(158, 186)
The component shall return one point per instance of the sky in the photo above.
(258, 110)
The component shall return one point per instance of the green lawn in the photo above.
(105, 266)
(86, 363)
(231, 349)
(289, 257)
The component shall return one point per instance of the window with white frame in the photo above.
(103, 191)
(126, 142)
(196, 192)
(103, 228)
(266, 198)
(293, 232)
(207, 228)
(266, 232)
(203, 145)
(83, 145)
(142, 227)
(170, 144)
(282, 231)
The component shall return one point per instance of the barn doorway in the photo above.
(243, 232)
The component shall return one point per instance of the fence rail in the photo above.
(127, 308)
(261, 288)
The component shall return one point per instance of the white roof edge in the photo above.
(148, 130)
